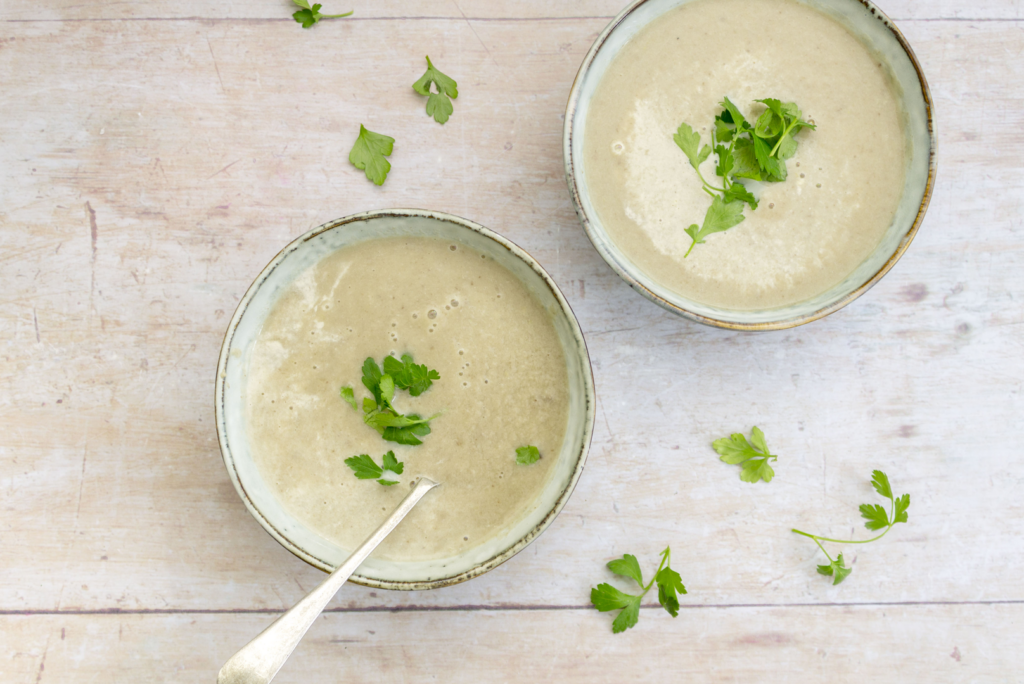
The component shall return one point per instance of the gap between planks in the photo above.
(477, 608)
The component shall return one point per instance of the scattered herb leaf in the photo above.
(757, 152)
(365, 468)
(525, 455)
(753, 455)
(606, 598)
(877, 519)
(307, 16)
(438, 104)
(369, 152)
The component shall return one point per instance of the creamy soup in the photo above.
(810, 231)
(504, 385)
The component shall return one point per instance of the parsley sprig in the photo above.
(755, 152)
(877, 519)
(753, 455)
(379, 411)
(308, 16)
(365, 468)
(438, 104)
(605, 597)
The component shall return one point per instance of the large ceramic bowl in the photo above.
(231, 380)
(876, 31)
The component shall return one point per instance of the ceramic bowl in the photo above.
(230, 397)
(874, 29)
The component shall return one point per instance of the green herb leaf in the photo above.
(349, 395)
(737, 193)
(364, 468)
(407, 435)
(745, 161)
(877, 519)
(901, 506)
(755, 457)
(307, 16)
(369, 152)
(837, 570)
(438, 104)
(605, 597)
(689, 142)
(525, 455)
(880, 481)
(409, 376)
(380, 414)
(720, 216)
(670, 584)
(627, 566)
(387, 388)
(876, 516)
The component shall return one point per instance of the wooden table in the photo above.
(154, 156)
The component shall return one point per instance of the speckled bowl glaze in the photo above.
(881, 36)
(245, 325)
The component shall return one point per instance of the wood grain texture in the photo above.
(151, 168)
(934, 644)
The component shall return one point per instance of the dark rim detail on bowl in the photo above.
(620, 269)
(497, 559)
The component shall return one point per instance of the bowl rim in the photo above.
(590, 398)
(634, 282)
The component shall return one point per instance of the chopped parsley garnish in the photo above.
(525, 455)
(877, 519)
(438, 104)
(379, 411)
(365, 469)
(755, 152)
(753, 455)
(605, 597)
(308, 16)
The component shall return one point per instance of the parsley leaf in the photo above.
(525, 455)
(368, 154)
(379, 411)
(757, 152)
(438, 104)
(670, 584)
(307, 16)
(606, 598)
(720, 216)
(837, 570)
(409, 376)
(754, 457)
(365, 468)
(349, 395)
(627, 566)
(689, 142)
(877, 519)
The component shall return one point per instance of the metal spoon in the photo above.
(259, 661)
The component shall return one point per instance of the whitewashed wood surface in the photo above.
(154, 156)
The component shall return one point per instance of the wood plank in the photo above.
(863, 644)
(151, 174)
(280, 10)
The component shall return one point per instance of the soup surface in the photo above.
(810, 231)
(503, 385)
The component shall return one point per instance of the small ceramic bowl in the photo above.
(230, 398)
(881, 36)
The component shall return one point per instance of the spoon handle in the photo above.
(259, 661)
